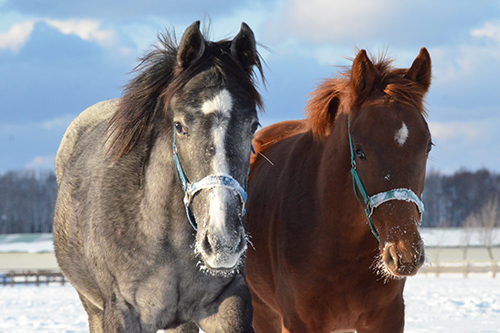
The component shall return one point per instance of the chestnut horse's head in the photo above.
(389, 143)
(378, 113)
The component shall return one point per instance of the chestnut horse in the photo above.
(334, 207)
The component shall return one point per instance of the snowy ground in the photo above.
(449, 303)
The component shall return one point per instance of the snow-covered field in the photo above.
(449, 303)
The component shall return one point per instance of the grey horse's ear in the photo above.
(192, 46)
(243, 48)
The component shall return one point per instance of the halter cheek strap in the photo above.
(211, 181)
(372, 202)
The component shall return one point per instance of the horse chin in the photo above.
(221, 271)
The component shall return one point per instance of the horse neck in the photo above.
(343, 216)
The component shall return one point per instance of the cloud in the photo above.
(58, 122)
(127, 10)
(90, 30)
(45, 84)
(490, 30)
(85, 29)
(459, 132)
(466, 74)
(59, 57)
(56, 74)
(324, 20)
(371, 24)
(16, 36)
(465, 143)
(41, 163)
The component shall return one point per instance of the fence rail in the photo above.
(32, 277)
(442, 260)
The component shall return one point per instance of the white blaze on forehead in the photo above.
(402, 135)
(222, 104)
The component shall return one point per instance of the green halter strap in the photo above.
(372, 202)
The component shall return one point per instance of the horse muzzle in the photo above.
(221, 238)
(402, 259)
(222, 254)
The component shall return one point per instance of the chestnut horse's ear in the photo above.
(192, 46)
(420, 70)
(243, 48)
(323, 107)
(363, 76)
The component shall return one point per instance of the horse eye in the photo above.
(179, 128)
(429, 147)
(255, 126)
(359, 153)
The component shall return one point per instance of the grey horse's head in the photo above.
(213, 107)
(208, 96)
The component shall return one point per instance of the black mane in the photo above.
(160, 77)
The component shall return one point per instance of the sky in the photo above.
(59, 57)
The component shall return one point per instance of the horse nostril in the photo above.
(391, 256)
(207, 247)
(421, 252)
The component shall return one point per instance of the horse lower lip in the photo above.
(230, 263)
(222, 269)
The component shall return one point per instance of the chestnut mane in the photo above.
(334, 95)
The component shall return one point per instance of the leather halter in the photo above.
(372, 202)
(210, 181)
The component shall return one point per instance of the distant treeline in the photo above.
(452, 201)
(27, 199)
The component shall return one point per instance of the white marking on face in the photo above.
(222, 104)
(402, 135)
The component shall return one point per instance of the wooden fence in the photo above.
(32, 277)
(442, 260)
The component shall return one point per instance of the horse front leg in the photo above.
(265, 318)
(120, 317)
(390, 319)
(94, 313)
(231, 312)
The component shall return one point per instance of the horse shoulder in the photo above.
(86, 120)
(275, 133)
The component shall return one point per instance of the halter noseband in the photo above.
(372, 202)
(210, 181)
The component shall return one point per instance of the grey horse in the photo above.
(152, 188)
